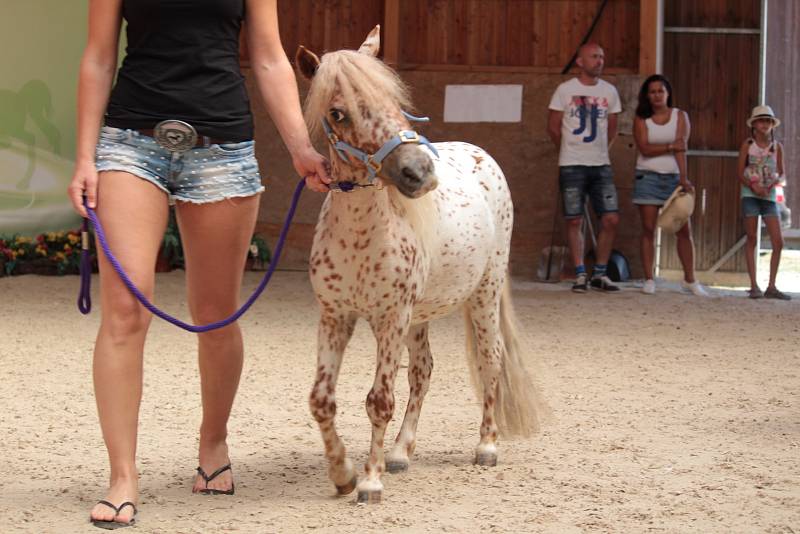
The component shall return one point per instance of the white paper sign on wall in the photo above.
(483, 103)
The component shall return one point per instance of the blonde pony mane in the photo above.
(361, 80)
(365, 82)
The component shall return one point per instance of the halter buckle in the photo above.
(408, 136)
(374, 166)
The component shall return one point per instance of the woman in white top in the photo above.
(662, 134)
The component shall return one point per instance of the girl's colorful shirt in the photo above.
(762, 163)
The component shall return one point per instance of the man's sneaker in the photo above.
(649, 287)
(603, 283)
(695, 288)
(580, 283)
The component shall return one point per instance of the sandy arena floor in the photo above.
(671, 414)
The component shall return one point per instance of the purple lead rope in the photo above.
(85, 302)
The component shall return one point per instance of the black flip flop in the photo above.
(215, 474)
(113, 525)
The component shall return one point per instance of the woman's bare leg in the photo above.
(216, 238)
(648, 215)
(686, 251)
(133, 213)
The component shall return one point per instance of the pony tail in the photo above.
(520, 408)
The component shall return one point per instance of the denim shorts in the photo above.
(652, 188)
(577, 181)
(199, 175)
(753, 207)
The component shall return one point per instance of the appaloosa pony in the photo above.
(411, 232)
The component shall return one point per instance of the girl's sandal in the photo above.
(755, 293)
(774, 293)
(209, 478)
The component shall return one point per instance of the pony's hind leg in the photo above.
(333, 335)
(420, 365)
(390, 334)
(487, 364)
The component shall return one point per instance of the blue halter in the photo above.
(373, 162)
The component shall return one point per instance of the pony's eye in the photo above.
(337, 115)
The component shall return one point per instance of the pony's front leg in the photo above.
(333, 335)
(420, 365)
(380, 401)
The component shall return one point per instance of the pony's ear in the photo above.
(306, 62)
(372, 44)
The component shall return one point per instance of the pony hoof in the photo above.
(488, 459)
(347, 488)
(396, 466)
(369, 497)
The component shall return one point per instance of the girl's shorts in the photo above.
(652, 188)
(753, 207)
(199, 175)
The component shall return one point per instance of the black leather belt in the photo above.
(202, 140)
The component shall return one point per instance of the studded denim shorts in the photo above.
(199, 175)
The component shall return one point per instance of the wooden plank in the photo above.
(783, 78)
(501, 68)
(648, 37)
(457, 35)
(713, 13)
(391, 32)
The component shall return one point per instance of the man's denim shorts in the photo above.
(753, 207)
(652, 188)
(576, 181)
(199, 175)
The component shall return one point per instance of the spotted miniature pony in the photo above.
(410, 233)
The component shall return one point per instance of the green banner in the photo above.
(42, 44)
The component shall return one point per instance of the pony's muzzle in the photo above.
(411, 170)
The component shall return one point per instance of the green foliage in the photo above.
(259, 252)
(172, 248)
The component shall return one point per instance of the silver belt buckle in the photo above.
(175, 135)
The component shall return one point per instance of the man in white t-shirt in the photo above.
(583, 124)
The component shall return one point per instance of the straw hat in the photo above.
(763, 112)
(676, 210)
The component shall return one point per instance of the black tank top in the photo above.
(182, 63)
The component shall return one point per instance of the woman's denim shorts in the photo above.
(199, 175)
(753, 207)
(652, 188)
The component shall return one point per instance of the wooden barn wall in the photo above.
(514, 33)
(523, 149)
(783, 80)
(715, 79)
(327, 25)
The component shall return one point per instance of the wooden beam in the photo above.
(649, 36)
(391, 32)
(496, 68)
